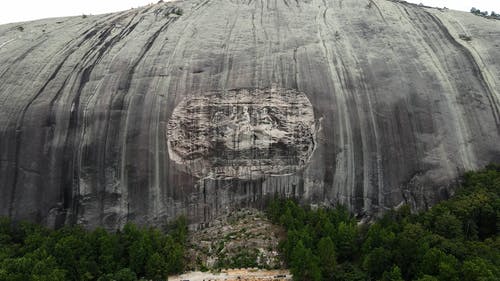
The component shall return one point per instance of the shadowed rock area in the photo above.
(202, 107)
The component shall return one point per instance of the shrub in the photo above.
(465, 37)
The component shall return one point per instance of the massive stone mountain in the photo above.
(201, 107)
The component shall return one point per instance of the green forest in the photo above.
(30, 252)
(454, 240)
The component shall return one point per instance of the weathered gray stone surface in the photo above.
(396, 105)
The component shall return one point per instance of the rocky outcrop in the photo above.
(243, 238)
(200, 107)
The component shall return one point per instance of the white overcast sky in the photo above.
(23, 10)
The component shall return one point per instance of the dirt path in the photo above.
(234, 274)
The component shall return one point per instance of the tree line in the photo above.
(485, 13)
(31, 252)
(456, 239)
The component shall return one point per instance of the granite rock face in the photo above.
(201, 107)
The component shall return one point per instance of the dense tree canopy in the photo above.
(454, 240)
(30, 252)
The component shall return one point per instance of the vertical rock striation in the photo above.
(199, 107)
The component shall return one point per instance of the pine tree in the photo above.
(393, 275)
(327, 258)
(304, 264)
